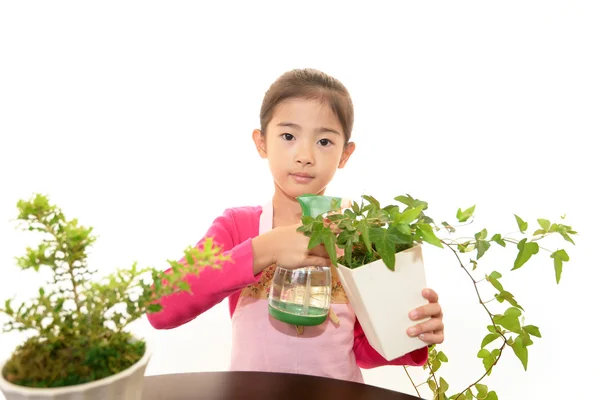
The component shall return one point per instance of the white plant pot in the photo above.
(126, 385)
(382, 299)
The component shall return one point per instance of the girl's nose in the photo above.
(305, 156)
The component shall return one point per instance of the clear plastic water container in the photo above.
(301, 296)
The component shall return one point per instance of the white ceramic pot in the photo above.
(126, 385)
(382, 299)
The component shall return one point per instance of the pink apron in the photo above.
(262, 343)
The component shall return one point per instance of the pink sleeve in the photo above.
(210, 286)
(367, 357)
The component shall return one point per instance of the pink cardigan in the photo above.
(233, 231)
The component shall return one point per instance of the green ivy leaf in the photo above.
(372, 200)
(489, 339)
(432, 385)
(522, 224)
(504, 295)
(498, 239)
(545, 224)
(463, 216)
(520, 351)
(443, 385)
(492, 396)
(386, 246)
(482, 390)
(448, 227)
(365, 235)
(509, 320)
(426, 232)
(526, 250)
(532, 330)
(409, 215)
(329, 242)
(559, 257)
(442, 357)
(487, 358)
(411, 202)
(493, 279)
(482, 247)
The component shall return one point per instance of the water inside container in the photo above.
(301, 296)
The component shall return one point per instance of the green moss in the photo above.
(72, 361)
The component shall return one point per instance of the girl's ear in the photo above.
(260, 142)
(348, 150)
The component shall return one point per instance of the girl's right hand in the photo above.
(287, 248)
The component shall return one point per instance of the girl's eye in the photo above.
(325, 142)
(288, 136)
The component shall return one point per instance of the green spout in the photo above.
(314, 205)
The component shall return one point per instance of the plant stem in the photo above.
(437, 387)
(411, 381)
(489, 314)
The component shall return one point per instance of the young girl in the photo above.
(306, 121)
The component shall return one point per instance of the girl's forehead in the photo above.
(304, 109)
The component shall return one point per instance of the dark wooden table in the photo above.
(259, 385)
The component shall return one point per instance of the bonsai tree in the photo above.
(79, 325)
(369, 232)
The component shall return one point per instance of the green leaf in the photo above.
(504, 295)
(495, 275)
(487, 358)
(372, 200)
(493, 279)
(411, 202)
(482, 390)
(522, 224)
(481, 235)
(482, 247)
(489, 339)
(492, 329)
(498, 239)
(526, 250)
(559, 257)
(443, 385)
(385, 245)
(545, 224)
(442, 357)
(154, 308)
(184, 286)
(532, 330)
(449, 227)
(510, 319)
(329, 242)
(365, 234)
(408, 215)
(426, 232)
(463, 216)
(492, 396)
(355, 207)
(520, 351)
(432, 385)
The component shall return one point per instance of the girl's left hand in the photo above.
(431, 331)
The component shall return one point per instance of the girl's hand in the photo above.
(431, 331)
(287, 248)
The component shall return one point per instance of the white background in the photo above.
(136, 118)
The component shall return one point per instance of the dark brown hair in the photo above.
(309, 84)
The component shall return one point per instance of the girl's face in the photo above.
(304, 145)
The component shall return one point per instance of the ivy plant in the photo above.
(79, 324)
(368, 232)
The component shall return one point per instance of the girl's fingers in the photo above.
(432, 338)
(433, 325)
(428, 310)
